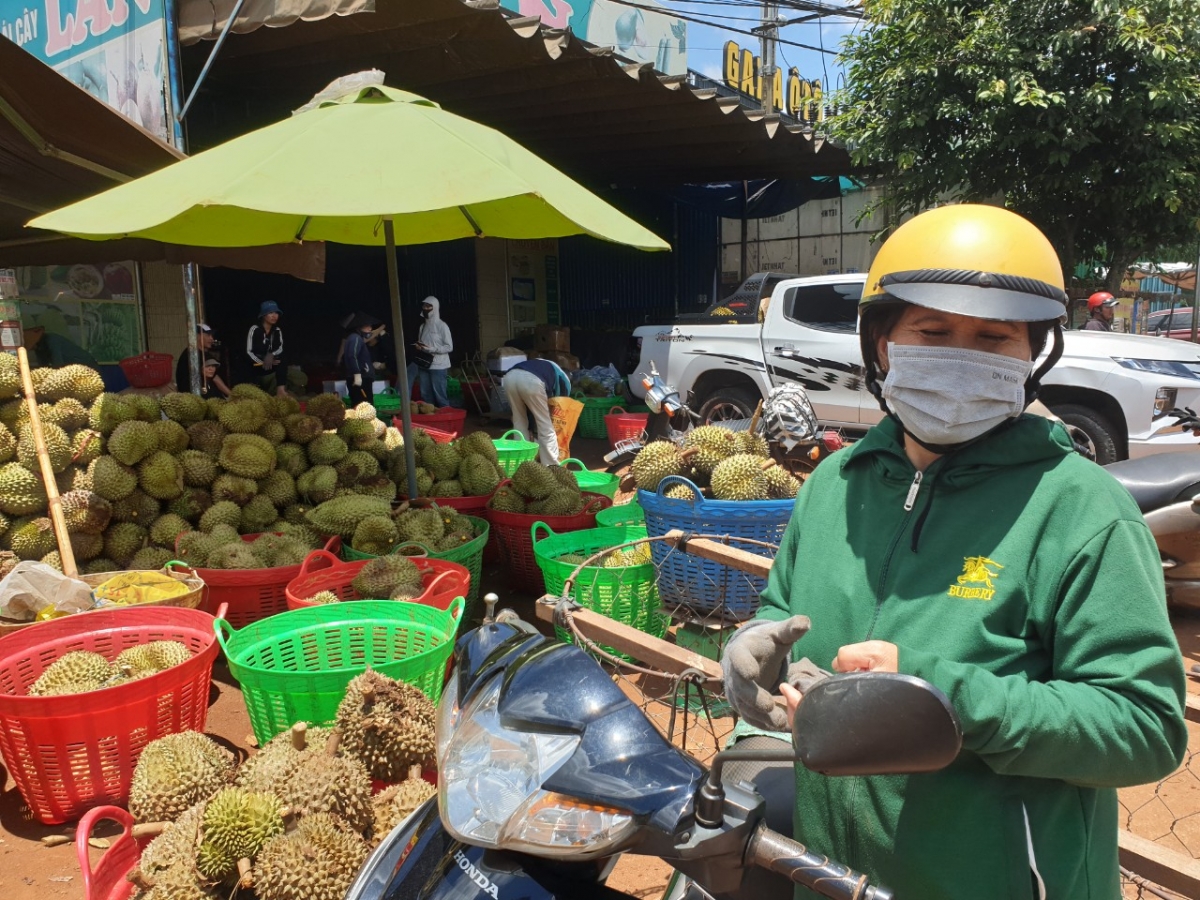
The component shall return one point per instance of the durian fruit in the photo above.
(387, 724)
(194, 547)
(301, 428)
(110, 410)
(324, 597)
(180, 881)
(279, 487)
(207, 437)
(376, 535)
(356, 433)
(363, 411)
(199, 469)
(326, 449)
(138, 507)
(781, 484)
(533, 480)
(77, 382)
(257, 515)
(712, 445)
(378, 486)
(58, 447)
(394, 804)
(656, 461)
(442, 461)
(8, 444)
(450, 488)
(356, 466)
(150, 558)
(233, 488)
(167, 528)
(31, 538)
(341, 515)
(477, 475)
(176, 772)
(563, 502)
(680, 492)
(754, 444)
(478, 443)
(239, 822)
(292, 459)
(86, 546)
(178, 841)
(86, 446)
(68, 414)
(248, 391)
(329, 409)
(110, 479)
(273, 432)
(72, 673)
(247, 455)
(155, 656)
(317, 484)
(122, 542)
(161, 476)
(96, 566)
(317, 861)
(172, 437)
(386, 576)
(186, 409)
(325, 782)
(242, 416)
(132, 441)
(191, 504)
(85, 511)
(740, 477)
(53, 559)
(224, 533)
(236, 555)
(506, 499)
(273, 765)
(425, 526)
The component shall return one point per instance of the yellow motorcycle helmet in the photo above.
(973, 260)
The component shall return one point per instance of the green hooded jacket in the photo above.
(1021, 580)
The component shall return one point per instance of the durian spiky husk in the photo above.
(321, 782)
(396, 803)
(317, 861)
(387, 724)
(176, 772)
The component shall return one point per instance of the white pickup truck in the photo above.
(778, 328)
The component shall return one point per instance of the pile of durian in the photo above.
(437, 529)
(636, 555)
(728, 465)
(539, 490)
(467, 467)
(82, 671)
(148, 479)
(297, 820)
(392, 577)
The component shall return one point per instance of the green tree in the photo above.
(1082, 115)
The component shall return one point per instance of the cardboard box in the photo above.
(565, 361)
(552, 337)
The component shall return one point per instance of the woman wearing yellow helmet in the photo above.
(964, 542)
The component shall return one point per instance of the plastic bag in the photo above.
(130, 588)
(598, 381)
(564, 416)
(34, 590)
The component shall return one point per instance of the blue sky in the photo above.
(705, 42)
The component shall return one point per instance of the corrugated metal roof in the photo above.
(578, 106)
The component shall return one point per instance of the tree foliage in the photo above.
(1082, 115)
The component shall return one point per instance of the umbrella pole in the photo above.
(410, 462)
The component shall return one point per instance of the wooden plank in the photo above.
(734, 557)
(1172, 870)
(1191, 709)
(652, 652)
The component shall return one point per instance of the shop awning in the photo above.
(58, 144)
(578, 106)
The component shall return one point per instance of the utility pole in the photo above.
(768, 36)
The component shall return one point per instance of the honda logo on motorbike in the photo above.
(475, 875)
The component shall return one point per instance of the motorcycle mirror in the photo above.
(875, 723)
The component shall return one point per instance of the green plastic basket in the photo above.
(596, 482)
(627, 594)
(453, 388)
(514, 451)
(625, 514)
(387, 404)
(294, 666)
(469, 555)
(591, 420)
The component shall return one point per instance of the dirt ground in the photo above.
(1167, 812)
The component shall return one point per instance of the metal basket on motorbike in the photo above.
(294, 666)
(591, 420)
(622, 514)
(624, 591)
(625, 426)
(512, 449)
(514, 543)
(704, 586)
(596, 482)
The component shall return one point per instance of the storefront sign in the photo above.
(113, 49)
(797, 97)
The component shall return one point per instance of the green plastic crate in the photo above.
(591, 420)
(512, 449)
(626, 514)
(596, 482)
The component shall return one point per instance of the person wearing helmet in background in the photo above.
(964, 542)
(435, 343)
(1100, 312)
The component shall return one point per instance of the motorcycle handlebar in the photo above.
(793, 860)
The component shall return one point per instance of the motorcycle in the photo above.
(541, 789)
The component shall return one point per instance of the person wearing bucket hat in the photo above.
(964, 542)
(356, 356)
(264, 348)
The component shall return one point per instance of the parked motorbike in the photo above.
(548, 772)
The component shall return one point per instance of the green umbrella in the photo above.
(376, 166)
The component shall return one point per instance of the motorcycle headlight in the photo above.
(490, 786)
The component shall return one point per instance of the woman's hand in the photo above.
(869, 656)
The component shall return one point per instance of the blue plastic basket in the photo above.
(702, 585)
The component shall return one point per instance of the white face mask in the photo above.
(947, 396)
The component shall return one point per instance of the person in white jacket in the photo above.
(433, 339)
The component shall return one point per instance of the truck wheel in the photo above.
(728, 403)
(1100, 431)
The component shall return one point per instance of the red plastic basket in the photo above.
(323, 571)
(251, 594)
(148, 370)
(439, 436)
(624, 426)
(445, 419)
(511, 532)
(106, 881)
(76, 751)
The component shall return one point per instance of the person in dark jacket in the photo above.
(528, 386)
(356, 359)
(1100, 312)
(211, 384)
(264, 347)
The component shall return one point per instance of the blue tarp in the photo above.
(761, 198)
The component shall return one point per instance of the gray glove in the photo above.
(755, 663)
